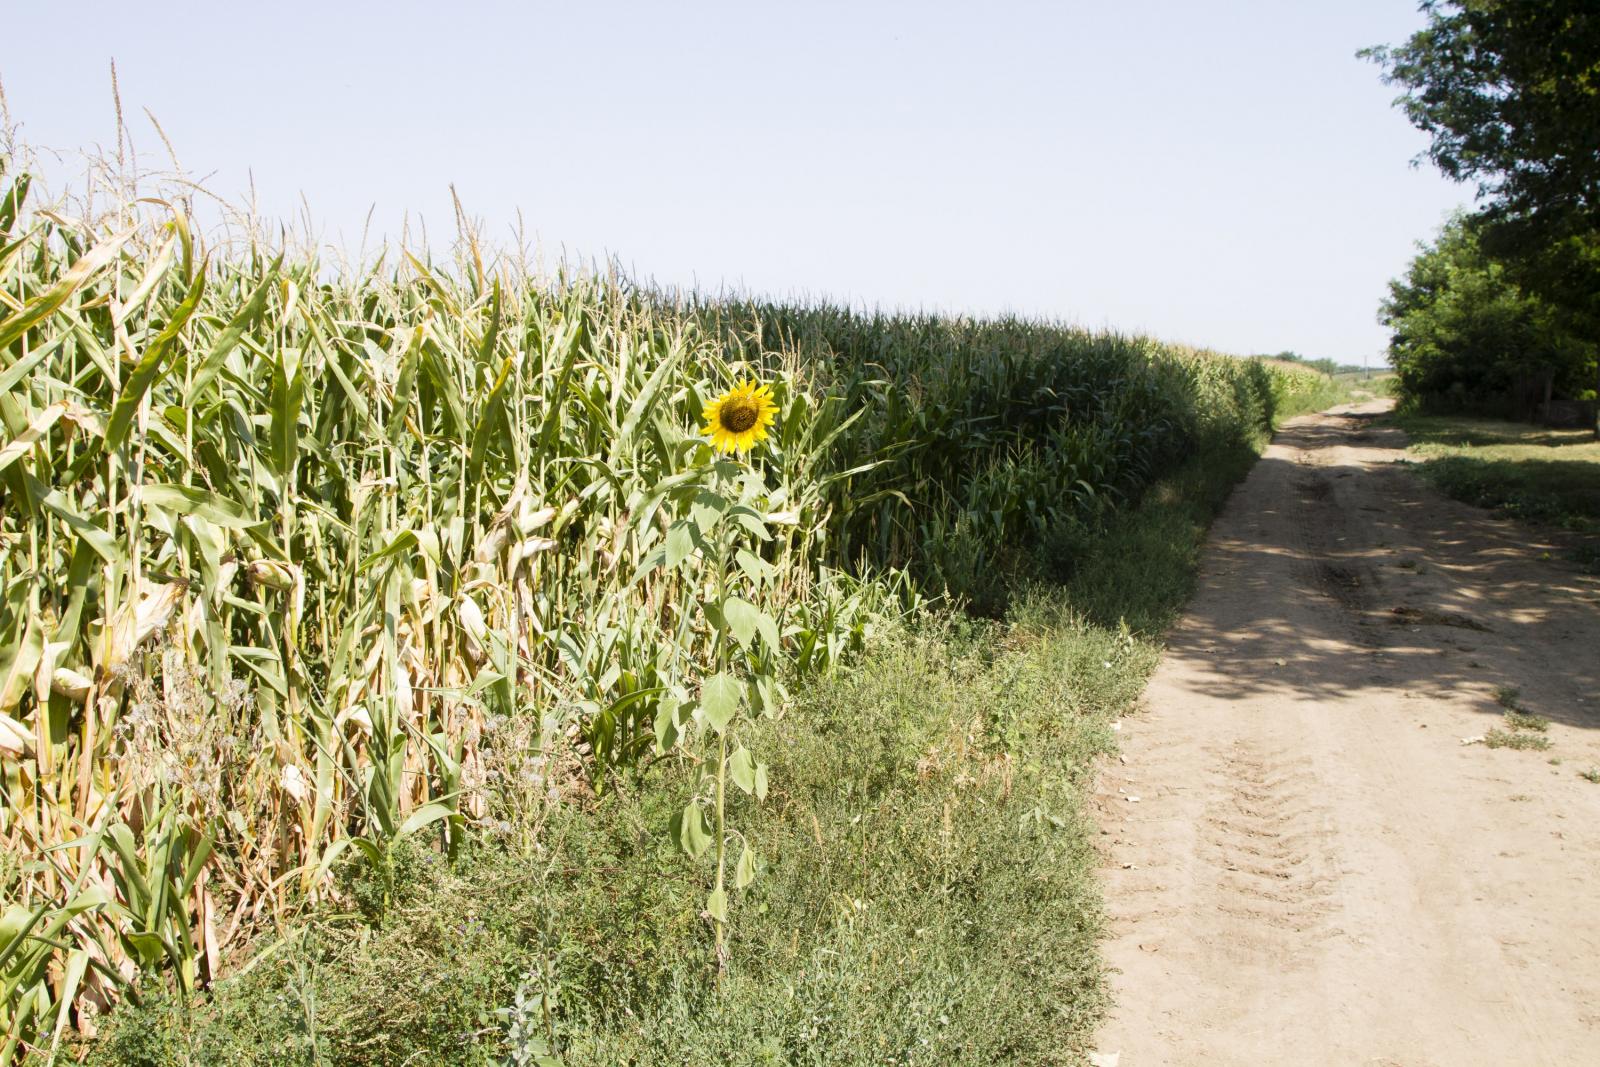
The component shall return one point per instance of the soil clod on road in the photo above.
(1319, 871)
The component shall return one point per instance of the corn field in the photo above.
(301, 558)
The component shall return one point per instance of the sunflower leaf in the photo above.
(768, 629)
(755, 568)
(751, 520)
(691, 831)
(742, 769)
(666, 724)
(742, 617)
(707, 511)
(717, 905)
(719, 699)
(680, 543)
(745, 872)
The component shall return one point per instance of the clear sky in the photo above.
(1224, 173)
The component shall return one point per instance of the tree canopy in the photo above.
(1467, 337)
(1509, 93)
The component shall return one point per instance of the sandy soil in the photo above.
(1304, 864)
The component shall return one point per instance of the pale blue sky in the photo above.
(1223, 173)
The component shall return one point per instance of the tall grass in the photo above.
(305, 565)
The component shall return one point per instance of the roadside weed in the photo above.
(1497, 738)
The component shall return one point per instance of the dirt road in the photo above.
(1304, 864)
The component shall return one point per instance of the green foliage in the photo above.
(1560, 493)
(1468, 338)
(371, 883)
(925, 892)
(1507, 92)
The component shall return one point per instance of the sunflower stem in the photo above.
(722, 755)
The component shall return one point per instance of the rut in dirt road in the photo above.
(1304, 863)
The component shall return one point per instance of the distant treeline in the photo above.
(1324, 366)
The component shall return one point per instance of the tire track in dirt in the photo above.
(1303, 864)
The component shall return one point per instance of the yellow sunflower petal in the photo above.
(738, 419)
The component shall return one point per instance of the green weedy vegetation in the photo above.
(929, 896)
(1531, 473)
(389, 670)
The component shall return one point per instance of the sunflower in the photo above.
(739, 418)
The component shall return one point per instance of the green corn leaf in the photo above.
(405, 387)
(489, 423)
(645, 400)
(492, 334)
(198, 858)
(49, 302)
(439, 289)
(11, 203)
(425, 816)
(288, 393)
(355, 398)
(151, 366)
(131, 868)
(265, 664)
(16, 924)
(231, 334)
(104, 545)
(23, 368)
(186, 500)
(448, 389)
(17, 661)
(19, 446)
(403, 541)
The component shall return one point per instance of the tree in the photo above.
(1467, 337)
(1509, 92)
